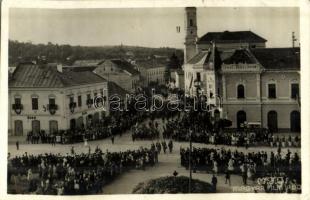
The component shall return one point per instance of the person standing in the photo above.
(158, 146)
(17, 145)
(214, 182)
(164, 144)
(72, 150)
(227, 177)
(170, 145)
(112, 138)
(244, 173)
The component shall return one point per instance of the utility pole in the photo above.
(190, 162)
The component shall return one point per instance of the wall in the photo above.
(111, 72)
(62, 115)
(235, 45)
(256, 109)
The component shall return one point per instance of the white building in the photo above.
(151, 70)
(242, 79)
(47, 98)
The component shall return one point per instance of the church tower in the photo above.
(190, 33)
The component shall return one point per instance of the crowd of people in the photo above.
(249, 165)
(117, 123)
(179, 128)
(75, 174)
(145, 132)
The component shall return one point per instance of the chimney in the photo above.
(59, 68)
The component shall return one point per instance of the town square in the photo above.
(197, 112)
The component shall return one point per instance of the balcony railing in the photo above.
(52, 107)
(72, 105)
(240, 67)
(17, 106)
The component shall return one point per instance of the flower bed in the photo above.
(172, 185)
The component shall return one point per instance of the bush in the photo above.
(172, 185)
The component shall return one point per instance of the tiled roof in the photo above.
(198, 58)
(150, 63)
(86, 63)
(278, 58)
(231, 37)
(81, 69)
(240, 56)
(126, 66)
(43, 76)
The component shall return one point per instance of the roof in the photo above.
(231, 37)
(209, 59)
(150, 63)
(85, 63)
(198, 58)
(278, 58)
(43, 76)
(116, 89)
(81, 69)
(126, 66)
(240, 56)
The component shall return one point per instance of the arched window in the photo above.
(240, 91)
(272, 121)
(295, 121)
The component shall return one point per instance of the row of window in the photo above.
(272, 120)
(52, 101)
(35, 102)
(272, 91)
(157, 72)
(79, 98)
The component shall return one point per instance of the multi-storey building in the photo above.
(120, 72)
(44, 97)
(151, 71)
(242, 79)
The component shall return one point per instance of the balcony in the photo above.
(241, 67)
(72, 105)
(52, 106)
(17, 106)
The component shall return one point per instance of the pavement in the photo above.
(126, 182)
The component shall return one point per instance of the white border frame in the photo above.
(305, 80)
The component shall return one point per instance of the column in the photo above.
(258, 94)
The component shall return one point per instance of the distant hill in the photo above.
(67, 54)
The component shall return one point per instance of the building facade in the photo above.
(243, 79)
(151, 71)
(45, 98)
(120, 72)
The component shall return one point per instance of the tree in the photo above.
(174, 62)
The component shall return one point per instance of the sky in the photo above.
(150, 27)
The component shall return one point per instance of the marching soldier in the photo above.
(170, 145)
(158, 146)
(164, 144)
